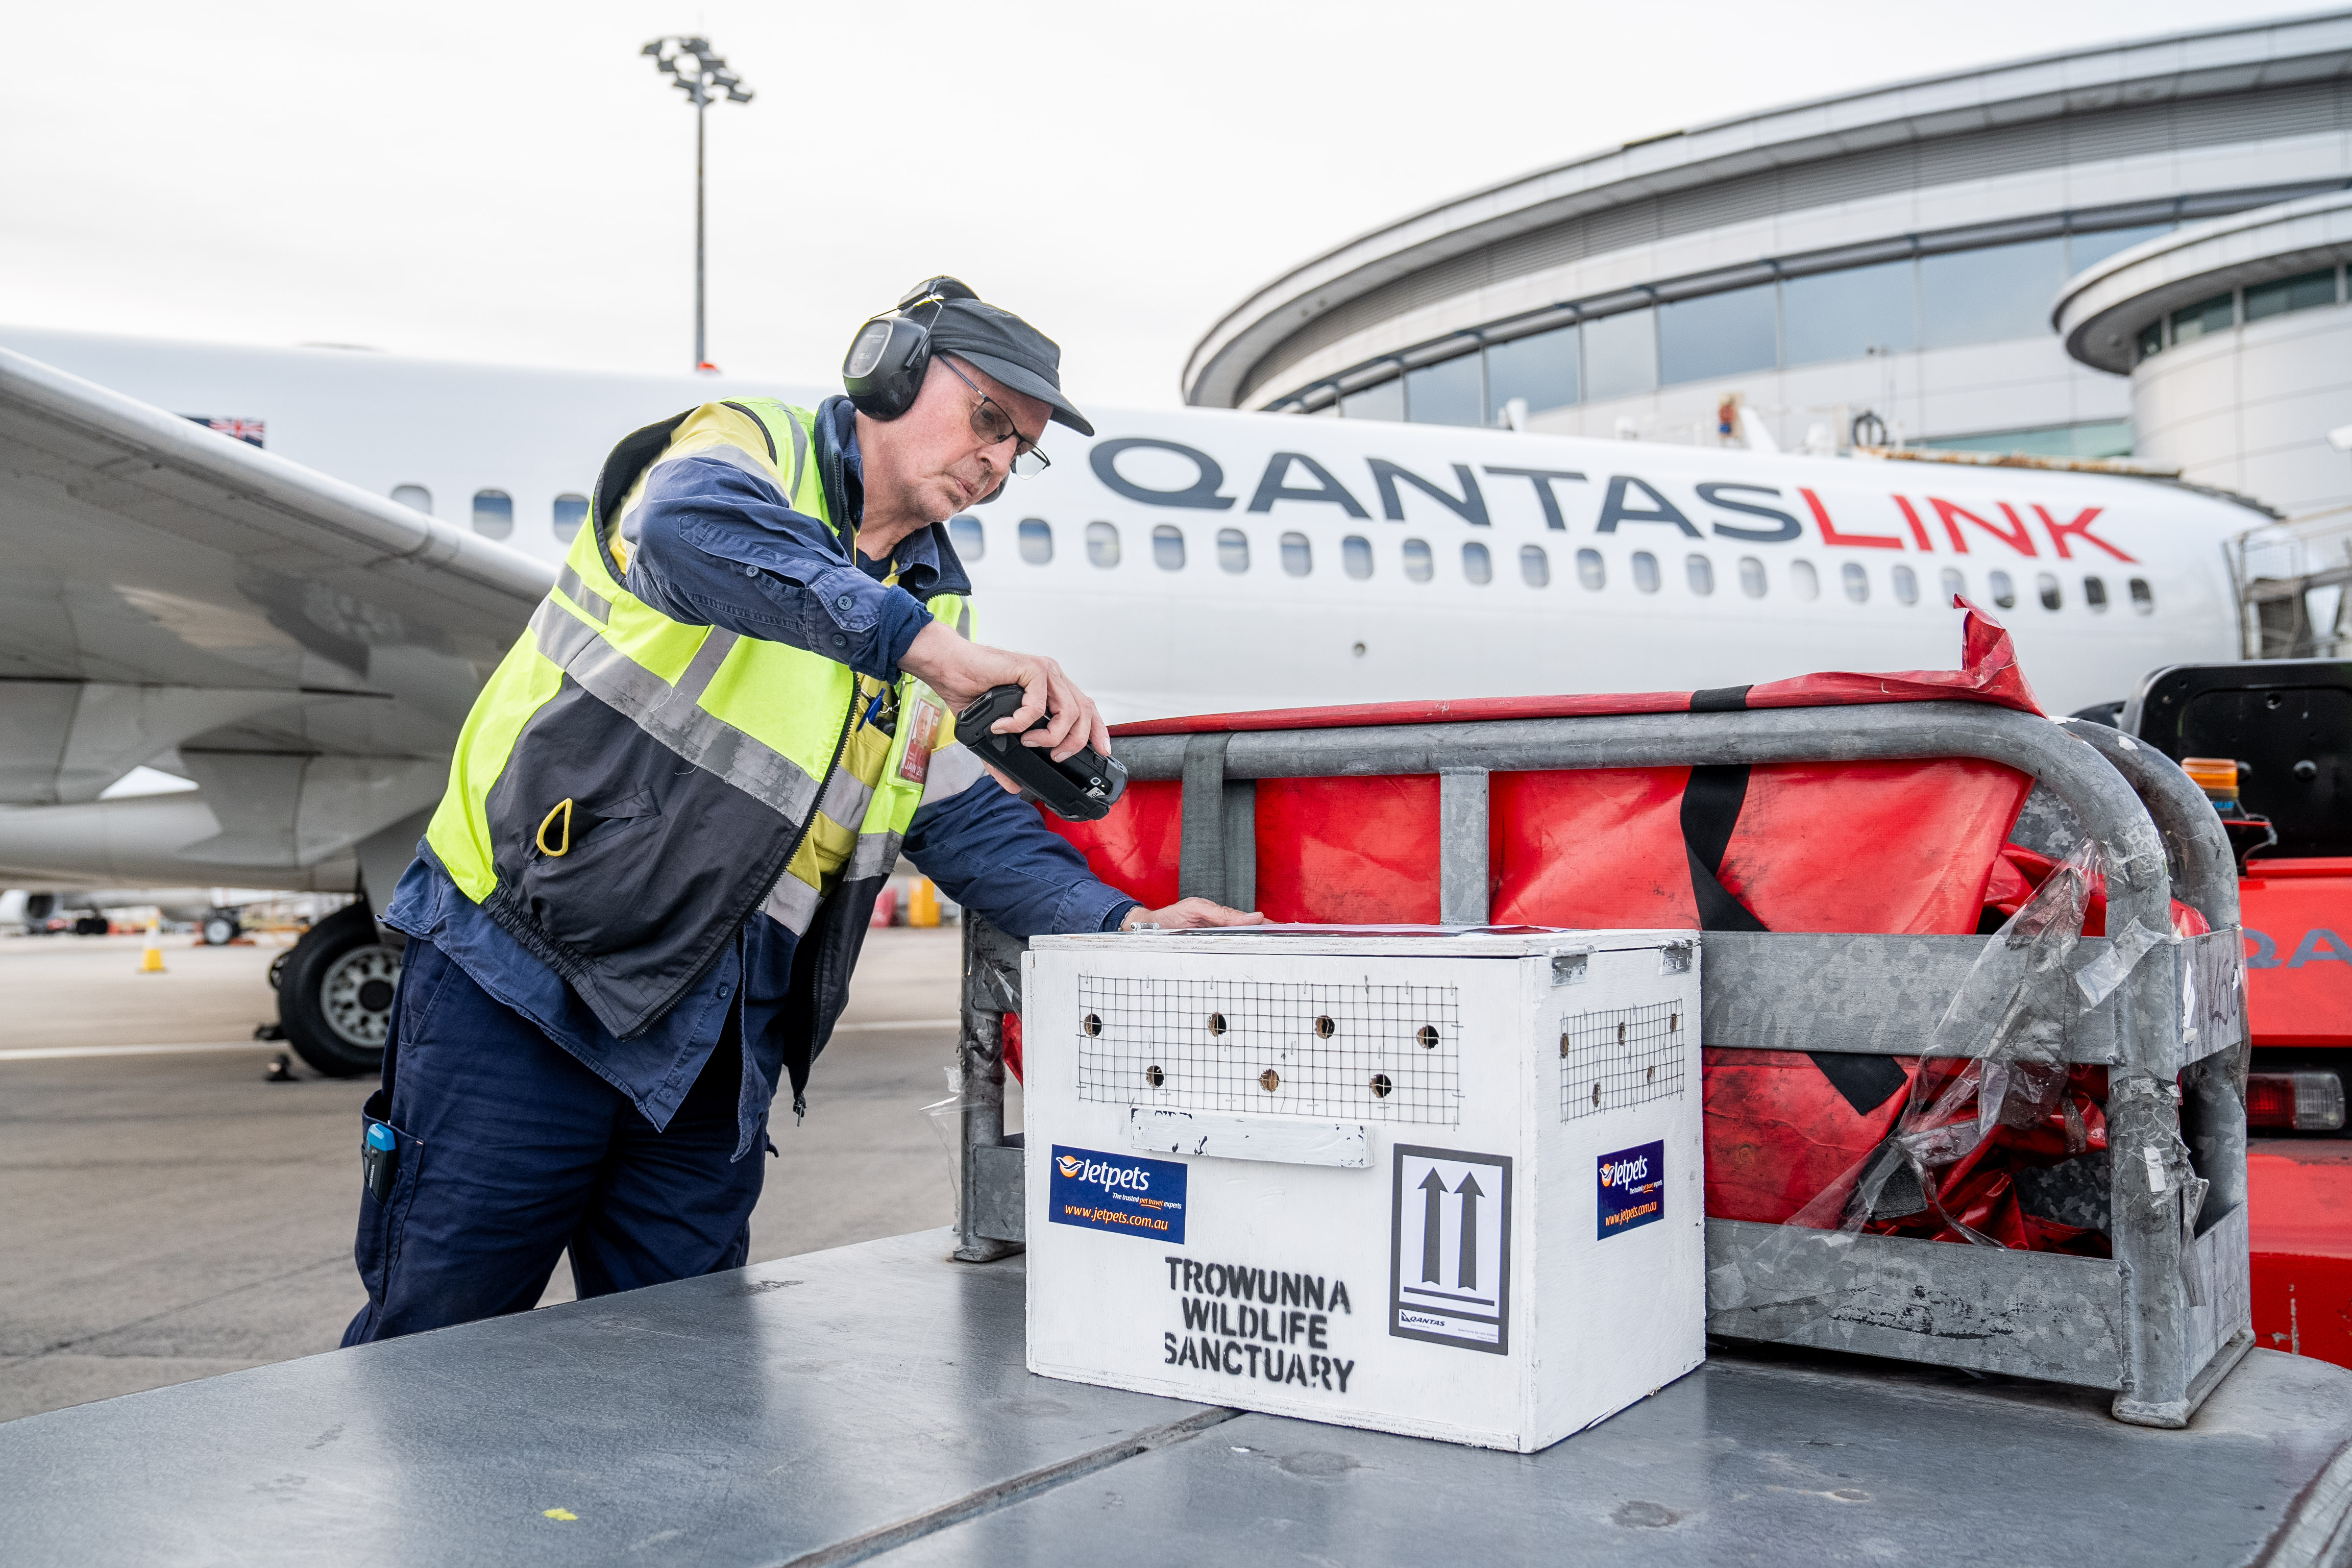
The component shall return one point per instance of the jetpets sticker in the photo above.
(1123, 1193)
(1632, 1188)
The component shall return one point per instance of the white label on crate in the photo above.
(1450, 1249)
(1284, 1140)
(1270, 1324)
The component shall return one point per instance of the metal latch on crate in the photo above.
(1284, 1139)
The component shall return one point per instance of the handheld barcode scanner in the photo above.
(1082, 789)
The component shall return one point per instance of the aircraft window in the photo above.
(1356, 556)
(1590, 569)
(2298, 293)
(493, 513)
(1850, 313)
(965, 533)
(1857, 582)
(1297, 555)
(1906, 584)
(2094, 593)
(1167, 547)
(1803, 581)
(570, 511)
(1102, 543)
(1955, 584)
(1701, 573)
(1535, 567)
(1037, 540)
(1645, 572)
(2143, 598)
(1476, 565)
(1233, 550)
(2004, 592)
(2047, 586)
(1752, 577)
(414, 496)
(1417, 565)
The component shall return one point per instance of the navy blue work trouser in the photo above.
(510, 1150)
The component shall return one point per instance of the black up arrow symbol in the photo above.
(1469, 1193)
(1433, 1185)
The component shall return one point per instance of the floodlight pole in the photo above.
(694, 68)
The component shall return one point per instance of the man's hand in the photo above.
(1186, 914)
(960, 671)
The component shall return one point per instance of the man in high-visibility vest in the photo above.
(633, 918)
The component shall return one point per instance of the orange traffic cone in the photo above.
(152, 960)
(923, 908)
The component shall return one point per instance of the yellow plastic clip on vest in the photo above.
(564, 810)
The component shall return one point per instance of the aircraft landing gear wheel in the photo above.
(335, 993)
(220, 929)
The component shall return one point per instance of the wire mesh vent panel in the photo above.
(1629, 1056)
(1375, 1053)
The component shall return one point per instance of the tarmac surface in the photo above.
(166, 1214)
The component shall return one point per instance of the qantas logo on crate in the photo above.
(1117, 1191)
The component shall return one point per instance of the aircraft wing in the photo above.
(305, 650)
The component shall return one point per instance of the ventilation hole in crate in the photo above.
(1427, 1037)
(1325, 1028)
(1596, 1096)
(1563, 1042)
(1154, 1076)
(1092, 1025)
(1381, 1086)
(1621, 1057)
(1652, 1077)
(1620, 1034)
(1673, 1022)
(1269, 1081)
(1216, 1023)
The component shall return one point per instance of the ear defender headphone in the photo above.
(885, 366)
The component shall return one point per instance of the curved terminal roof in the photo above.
(2103, 309)
(1973, 125)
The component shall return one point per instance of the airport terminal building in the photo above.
(1880, 265)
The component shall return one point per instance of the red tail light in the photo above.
(2299, 1101)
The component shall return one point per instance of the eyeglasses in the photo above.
(995, 427)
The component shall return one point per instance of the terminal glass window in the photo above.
(1857, 582)
(1846, 315)
(1621, 354)
(493, 513)
(1752, 577)
(1102, 544)
(1356, 556)
(1297, 555)
(1955, 585)
(2215, 315)
(1233, 550)
(417, 498)
(1384, 401)
(965, 534)
(1719, 334)
(1540, 369)
(1418, 567)
(2046, 586)
(1476, 565)
(1590, 569)
(1986, 296)
(2090, 249)
(1700, 571)
(2264, 300)
(1803, 581)
(1907, 585)
(1037, 540)
(1645, 572)
(2143, 598)
(2094, 593)
(1535, 567)
(2151, 339)
(570, 511)
(2004, 592)
(1447, 393)
(1167, 547)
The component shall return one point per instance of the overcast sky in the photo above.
(511, 183)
